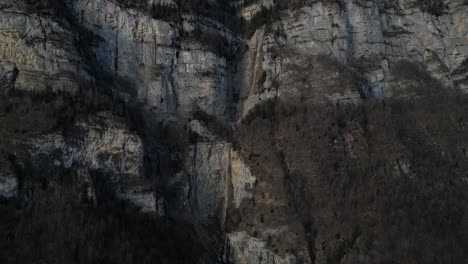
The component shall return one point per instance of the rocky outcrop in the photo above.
(107, 151)
(167, 70)
(256, 140)
(9, 187)
(214, 180)
(8, 180)
(8, 73)
(246, 249)
(42, 48)
(94, 146)
(369, 36)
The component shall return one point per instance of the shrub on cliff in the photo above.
(434, 7)
(377, 167)
(164, 12)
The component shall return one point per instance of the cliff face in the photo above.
(234, 131)
(171, 65)
(371, 38)
(42, 50)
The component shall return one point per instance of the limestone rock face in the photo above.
(370, 36)
(167, 71)
(181, 89)
(247, 249)
(210, 172)
(95, 146)
(217, 179)
(43, 50)
(105, 147)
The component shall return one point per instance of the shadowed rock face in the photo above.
(233, 131)
(42, 48)
(8, 73)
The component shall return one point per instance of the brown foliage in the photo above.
(391, 171)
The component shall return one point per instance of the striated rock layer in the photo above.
(216, 131)
(371, 37)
